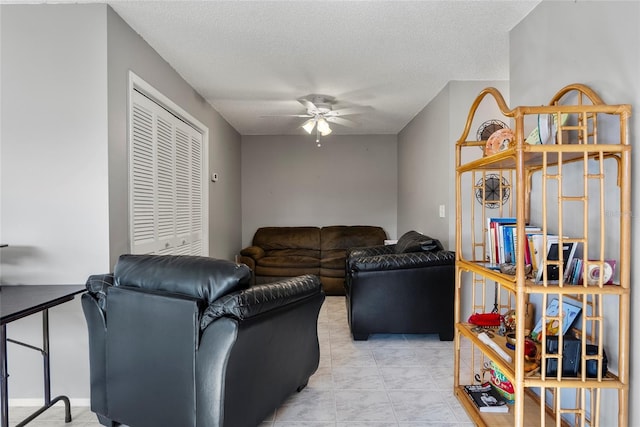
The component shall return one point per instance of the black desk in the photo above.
(17, 302)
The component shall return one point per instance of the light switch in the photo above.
(442, 213)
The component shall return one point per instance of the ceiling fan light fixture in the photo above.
(323, 127)
(309, 125)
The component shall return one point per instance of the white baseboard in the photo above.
(39, 402)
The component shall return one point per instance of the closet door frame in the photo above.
(184, 121)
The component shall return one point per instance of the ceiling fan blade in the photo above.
(287, 115)
(342, 121)
(310, 106)
(350, 110)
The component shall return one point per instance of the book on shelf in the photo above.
(486, 398)
(502, 241)
(495, 238)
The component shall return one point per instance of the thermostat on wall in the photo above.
(214, 176)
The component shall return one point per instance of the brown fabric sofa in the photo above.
(281, 252)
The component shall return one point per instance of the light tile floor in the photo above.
(389, 380)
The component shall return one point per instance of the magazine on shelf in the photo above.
(486, 398)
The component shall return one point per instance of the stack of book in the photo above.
(486, 398)
(502, 241)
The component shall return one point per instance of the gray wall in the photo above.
(288, 181)
(64, 171)
(128, 51)
(603, 54)
(426, 158)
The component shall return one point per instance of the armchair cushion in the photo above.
(412, 241)
(206, 279)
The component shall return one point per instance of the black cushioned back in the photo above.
(412, 241)
(151, 350)
(196, 277)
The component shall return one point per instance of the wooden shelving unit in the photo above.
(578, 188)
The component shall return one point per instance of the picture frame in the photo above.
(571, 311)
(552, 254)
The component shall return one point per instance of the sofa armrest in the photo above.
(254, 252)
(248, 261)
(395, 261)
(260, 299)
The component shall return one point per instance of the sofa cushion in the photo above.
(192, 276)
(337, 239)
(412, 241)
(332, 272)
(284, 271)
(334, 259)
(288, 261)
(350, 236)
(294, 252)
(274, 238)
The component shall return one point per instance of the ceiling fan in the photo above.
(320, 113)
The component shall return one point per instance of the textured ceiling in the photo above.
(249, 59)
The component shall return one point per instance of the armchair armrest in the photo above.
(255, 252)
(97, 286)
(370, 251)
(256, 300)
(395, 261)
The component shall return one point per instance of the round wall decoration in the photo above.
(487, 128)
(493, 191)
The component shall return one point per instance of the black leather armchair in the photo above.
(183, 341)
(403, 288)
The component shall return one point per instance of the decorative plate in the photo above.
(492, 191)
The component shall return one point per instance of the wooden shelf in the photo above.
(529, 286)
(525, 172)
(533, 156)
(532, 379)
(484, 419)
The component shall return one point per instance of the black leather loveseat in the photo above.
(183, 341)
(404, 288)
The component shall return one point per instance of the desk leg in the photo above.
(48, 402)
(4, 376)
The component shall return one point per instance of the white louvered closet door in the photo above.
(165, 182)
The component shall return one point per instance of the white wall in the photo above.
(54, 190)
(288, 181)
(602, 52)
(426, 158)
